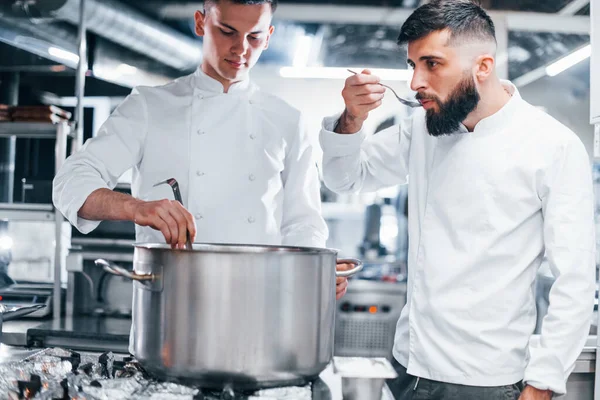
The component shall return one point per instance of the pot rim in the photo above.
(238, 248)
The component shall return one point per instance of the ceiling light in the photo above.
(6, 243)
(63, 54)
(302, 51)
(342, 73)
(569, 60)
(126, 69)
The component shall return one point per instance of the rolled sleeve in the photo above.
(71, 203)
(102, 160)
(355, 163)
(336, 145)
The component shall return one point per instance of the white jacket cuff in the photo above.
(75, 203)
(338, 145)
(545, 371)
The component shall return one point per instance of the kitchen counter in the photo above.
(90, 333)
(15, 332)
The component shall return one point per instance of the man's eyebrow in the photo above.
(427, 58)
(235, 30)
(228, 26)
(424, 58)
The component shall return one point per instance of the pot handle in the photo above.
(114, 269)
(350, 272)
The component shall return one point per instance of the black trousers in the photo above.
(407, 387)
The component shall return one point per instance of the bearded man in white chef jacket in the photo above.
(494, 183)
(244, 163)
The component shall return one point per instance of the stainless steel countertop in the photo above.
(15, 332)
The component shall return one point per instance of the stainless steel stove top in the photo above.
(56, 373)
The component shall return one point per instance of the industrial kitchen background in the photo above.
(50, 103)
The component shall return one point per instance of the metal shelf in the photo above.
(42, 212)
(33, 130)
(26, 212)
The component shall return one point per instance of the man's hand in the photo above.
(341, 283)
(167, 216)
(362, 94)
(531, 393)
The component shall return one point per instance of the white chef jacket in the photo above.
(483, 207)
(243, 161)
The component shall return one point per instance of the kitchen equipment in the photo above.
(29, 294)
(175, 186)
(371, 246)
(5, 280)
(408, 103)
(36, 191)
(363, 378)
(11, 313)
(366, 318)
(249, 316)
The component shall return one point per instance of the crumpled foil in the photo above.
(49, 369)
(53, 352)
(96, 378)
(284, 393)
(166, 391)
(113, 389)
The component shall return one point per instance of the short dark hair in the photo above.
(273, 3)
(463, 18)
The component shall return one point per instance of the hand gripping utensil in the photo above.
(175, 186)
(408, 103)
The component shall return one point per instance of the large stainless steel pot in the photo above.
(244, 316)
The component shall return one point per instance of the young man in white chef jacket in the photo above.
(244, 163)
(494, 183)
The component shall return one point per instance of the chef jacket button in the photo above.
(251, 177)
(200, 96)
(251, 220)
(252, 136)
(250, 101)
(199, 173)
(198, 216)
(200, 132)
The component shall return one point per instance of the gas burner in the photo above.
(59, 374)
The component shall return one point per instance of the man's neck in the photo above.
(208, 70)
(493, 98)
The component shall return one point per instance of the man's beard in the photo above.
(461, 102)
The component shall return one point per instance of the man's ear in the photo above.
(271, 30)
(199, 19)
(484, 67)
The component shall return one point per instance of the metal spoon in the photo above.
(175, 186)
(408, 103)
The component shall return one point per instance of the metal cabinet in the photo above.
(41, 212)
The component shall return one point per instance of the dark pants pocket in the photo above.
(402, 386)
(515, 391)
